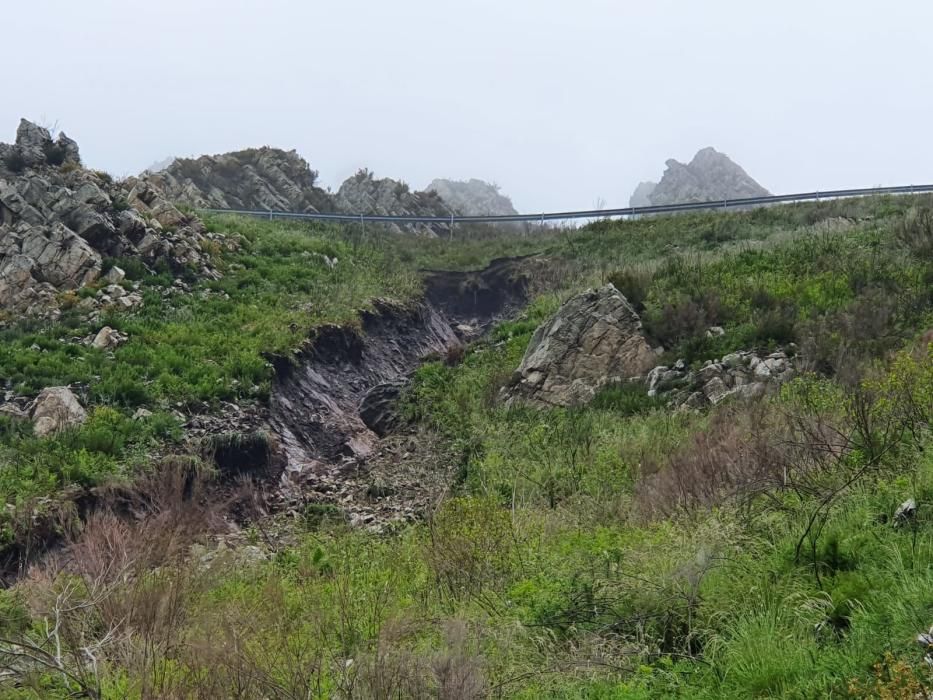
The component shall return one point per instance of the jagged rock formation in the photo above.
(254, 178)
(594, 339)
(363, 193)
(473, 197)
(59, 222)
(710, 176)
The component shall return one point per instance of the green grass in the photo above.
(191, 350)
(562, 564)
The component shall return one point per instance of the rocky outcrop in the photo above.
(710, 176)
(594, 339)
(365, 194)
(744, 374)
(255, 178)
(58, 223)
(34, 147)
(56, 409)
(473, 197)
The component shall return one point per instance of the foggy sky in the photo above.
(560, 102)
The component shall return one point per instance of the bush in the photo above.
(628, 399)
(14, 161)
(777, 324)
(685, 318)
(54, 154)
(634, 283)
(915, 232)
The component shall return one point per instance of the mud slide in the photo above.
(331, 408)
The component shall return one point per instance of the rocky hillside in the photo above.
(473, 197)
(254, 178)
(364, 193)
(277, 180)
(62, 225)
(711, 175)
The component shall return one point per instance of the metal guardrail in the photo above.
(586, 214)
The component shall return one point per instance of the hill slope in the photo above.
(261, 498)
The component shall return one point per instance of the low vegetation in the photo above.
(617, 550)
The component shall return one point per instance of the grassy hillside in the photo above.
(620, 550)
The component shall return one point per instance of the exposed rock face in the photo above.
(594, 339)
(473, 197)
(378, 407)
(710, 176)
(34, 147)
(641, 197)
(254, 178)
(365, 194)
(56, 409)
(315, 406)
(59, 221)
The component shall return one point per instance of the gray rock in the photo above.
(710, 176)
(11, 410)
(31, 140)
(56, 225)
(108, 338)
(762, 370)
(114, 275)
(378, 407)
(595, 338)
(715, 390)
(905, 512)
(56, 409)
(365, 194)
(255, 178)
(142, 414)
(733, 360)
(473, 197)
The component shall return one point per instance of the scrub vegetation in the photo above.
(616, 550)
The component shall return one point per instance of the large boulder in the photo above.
(594, 339)
(56, 409)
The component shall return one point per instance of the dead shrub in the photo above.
(470, 547)
(685, 318)
(840, 343)
(394, 670)
(915, 232)
(728, 460)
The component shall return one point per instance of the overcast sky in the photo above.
(561, 103)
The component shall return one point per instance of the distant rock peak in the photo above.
(473, 197)
(709, 176)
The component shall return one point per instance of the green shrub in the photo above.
(626, 399)
(634, 283)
